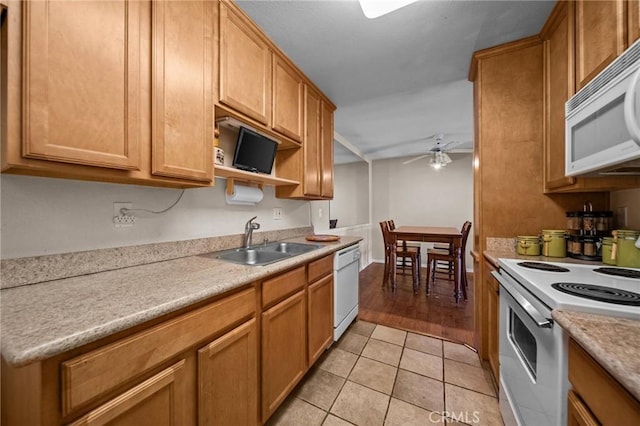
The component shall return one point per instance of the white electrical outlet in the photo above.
(277, 213)
(120, 219)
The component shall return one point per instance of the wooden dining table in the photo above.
(431, 234)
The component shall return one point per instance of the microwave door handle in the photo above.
(533, 313)
(630, 108)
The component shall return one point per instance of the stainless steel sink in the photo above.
(293, 249)
(263, 254)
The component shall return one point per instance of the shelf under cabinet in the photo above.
(241, 175)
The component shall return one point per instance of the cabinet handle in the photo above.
(630, 108)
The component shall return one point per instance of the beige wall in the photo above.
(46, 216)
(416, 194)
(350, 204)
(630, 199)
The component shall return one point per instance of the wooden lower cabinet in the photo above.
(200, 366)
(284, 357)
(228, 378)
(163, 399)
(492, 291)
(597, 398)
(320, 317)
(577, 413)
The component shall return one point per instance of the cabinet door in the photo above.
(320, 317)
(558, 88)
(578, 414)
(164, 399)
(326, 116)
(228, 378)
(245, 67)
(600, 36)
(82, 96)
(283, 351)
(311, 146)
(633, 22)
(287, 100)
(182, 96)
(493, 324)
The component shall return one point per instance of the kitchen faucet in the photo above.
(249, 227)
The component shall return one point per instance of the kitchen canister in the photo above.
(528, 245)
(553, 243)
(624, 249)
(607, 245)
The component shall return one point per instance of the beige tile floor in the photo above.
(377, 375)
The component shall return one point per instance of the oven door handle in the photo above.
(533, 313)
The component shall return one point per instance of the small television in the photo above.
(254, 152)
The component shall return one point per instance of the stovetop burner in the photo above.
(543, 266)
(599, 293)
(619, 272)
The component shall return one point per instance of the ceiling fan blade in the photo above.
(415, 159)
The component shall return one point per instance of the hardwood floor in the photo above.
(437, 314)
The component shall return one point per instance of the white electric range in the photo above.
(533, 349)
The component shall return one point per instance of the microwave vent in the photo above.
(617, 67)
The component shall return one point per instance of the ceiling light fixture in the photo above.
(376, 8)
(440, 159)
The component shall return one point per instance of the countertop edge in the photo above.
(30, 353)
(577, 326)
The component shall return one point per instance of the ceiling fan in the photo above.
(438, 152)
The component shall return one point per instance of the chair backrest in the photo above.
(392, 225)
(384, 227)
(465, 234)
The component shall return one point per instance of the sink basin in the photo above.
(263, 254)
(290, 248)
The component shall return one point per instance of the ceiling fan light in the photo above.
(375, 8)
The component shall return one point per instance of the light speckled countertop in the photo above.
(613, 342)
(42, 320)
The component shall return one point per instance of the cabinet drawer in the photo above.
(605, 397)
(283, 285)
(158, 400)
(321, 267)
(95, 373)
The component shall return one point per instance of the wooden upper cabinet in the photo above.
(600, 36)
(288, 101)
(326, 134)
(633, 21)
(182, 91)
(82, 105)
(245, 66)
(558, 88)
(311, 147)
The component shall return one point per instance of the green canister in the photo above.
(624, 249)
(607, 245)
(528, 245)
(553, 243)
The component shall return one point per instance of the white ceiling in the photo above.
(399, 78)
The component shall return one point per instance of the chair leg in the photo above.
(426, 281)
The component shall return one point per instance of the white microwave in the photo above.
(602, 121)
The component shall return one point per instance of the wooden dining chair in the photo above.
(403, 262)
(438, 255)
(412, 253)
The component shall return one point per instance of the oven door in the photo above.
(532, 366)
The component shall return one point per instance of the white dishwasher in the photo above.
(346, 267)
